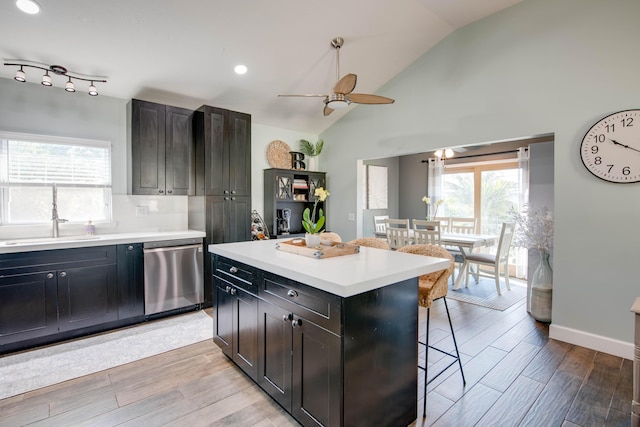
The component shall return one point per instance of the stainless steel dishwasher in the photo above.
(173, 275)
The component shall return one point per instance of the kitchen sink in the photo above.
(50, 240)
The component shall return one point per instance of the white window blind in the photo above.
(30, 164)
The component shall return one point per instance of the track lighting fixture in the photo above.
(58, 70)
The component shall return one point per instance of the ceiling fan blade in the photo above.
(365, 98)
(346, 84)
(327, 110)
(308, 95)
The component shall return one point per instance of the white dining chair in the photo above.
(397, 232)
(426, 232)
(496, 261)
(380, 228)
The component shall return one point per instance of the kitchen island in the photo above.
(333, 341)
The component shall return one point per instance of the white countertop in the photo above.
(66, 242)
(344, 276)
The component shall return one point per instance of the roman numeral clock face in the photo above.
(611, 148)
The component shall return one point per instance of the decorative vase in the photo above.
(541, 290)
(312, 240)
(312, 164)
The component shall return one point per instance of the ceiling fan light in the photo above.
(70, 86)
(46, 79)
(28, 6)
(448, 153)
(92, 90)
(20, 76)
(438, 153)
(338, 104)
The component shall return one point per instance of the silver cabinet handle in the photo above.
(287, 317)
(292, 293)
(295, 323)
(233, 270)
(130, 247)
(49, 275)
(63, 274)
(233, 291)
(233, 191)
(227, 289)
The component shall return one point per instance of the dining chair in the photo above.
(370, 242)
(501, 257)
(444, 223)
(426, 232)
(431, 287)
(397, 232)
(380, 228)
(461, 225)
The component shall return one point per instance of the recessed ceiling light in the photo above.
(28, 6)
(240, 69)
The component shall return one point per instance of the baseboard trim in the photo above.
(594, 342)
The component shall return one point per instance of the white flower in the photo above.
(534, 229)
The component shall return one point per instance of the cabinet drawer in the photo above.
(319, 307)
(239, 274)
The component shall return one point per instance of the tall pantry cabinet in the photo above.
(222, 204)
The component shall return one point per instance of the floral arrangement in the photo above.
(534, 229)
(309, 218)
(437, 204)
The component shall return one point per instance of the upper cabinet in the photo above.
(223, 144)
(162, 149)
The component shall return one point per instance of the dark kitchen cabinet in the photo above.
(223, 144)
(222, 204)
(286, 195)
(28, 307)
(50, 295)
(228, 218)
(300, 363)
(130, 281)
(162, 149)
(236, 315)
(87, 296)
(324, 358)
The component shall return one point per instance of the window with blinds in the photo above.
(31, 164)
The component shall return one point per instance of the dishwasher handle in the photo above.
(174, 248)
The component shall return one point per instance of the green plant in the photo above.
(309, 219)
(310, 149)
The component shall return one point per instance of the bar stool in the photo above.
(431, 287)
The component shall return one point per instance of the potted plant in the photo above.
(311, 151)
(311, 226)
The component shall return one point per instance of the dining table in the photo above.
(466, 243)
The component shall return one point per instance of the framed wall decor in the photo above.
(377, 187)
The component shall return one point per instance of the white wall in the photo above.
(539, 67)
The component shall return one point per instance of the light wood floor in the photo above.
(516, 376)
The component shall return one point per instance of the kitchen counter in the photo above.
(66, 242)
(344, 276)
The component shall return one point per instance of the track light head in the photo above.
(20, 76)
(46, 79)
(92, 90)
(70, 86)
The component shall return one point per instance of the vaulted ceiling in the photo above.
(183, 53)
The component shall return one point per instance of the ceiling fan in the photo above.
(342, 96)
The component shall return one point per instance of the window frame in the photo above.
(5, 185)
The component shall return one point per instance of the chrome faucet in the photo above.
(54, 212)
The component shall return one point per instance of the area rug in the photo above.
(33, 369)
(484, 293)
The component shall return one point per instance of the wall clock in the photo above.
(610, 149)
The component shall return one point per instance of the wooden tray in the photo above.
(298, 246)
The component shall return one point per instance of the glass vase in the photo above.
(542, 290)
(312, 240)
